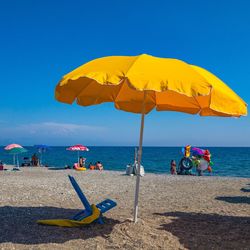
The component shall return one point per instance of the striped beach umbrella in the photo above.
(11, 146)
(15, 149)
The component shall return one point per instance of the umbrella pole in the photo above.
(41, 159)
(138, 172)
(135, 156)
(17, 161)
(78, 159)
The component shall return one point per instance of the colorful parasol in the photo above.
(11, 146)
(15, 150)
(78, 147)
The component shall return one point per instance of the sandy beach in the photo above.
(176, 212)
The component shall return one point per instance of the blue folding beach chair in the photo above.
(104, 206)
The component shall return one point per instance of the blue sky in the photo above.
(43, 40)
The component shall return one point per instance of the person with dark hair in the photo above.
(99, 166)
(81, 162)
(34, 160)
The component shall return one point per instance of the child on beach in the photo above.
(173, 167)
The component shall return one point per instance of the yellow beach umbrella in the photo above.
(141, 83)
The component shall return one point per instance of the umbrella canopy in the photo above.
(78, 147)
(170, 84)
(141, 83)
(11, 146)
(17, 150)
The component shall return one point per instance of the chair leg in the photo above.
(100, 220)
(80, 194)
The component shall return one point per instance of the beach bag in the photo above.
(142, 172)
(129, 170)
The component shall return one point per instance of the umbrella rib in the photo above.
(84, 87)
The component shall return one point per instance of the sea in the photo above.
(227, 161)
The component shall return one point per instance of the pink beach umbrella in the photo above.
(11, 146)
(78, 147)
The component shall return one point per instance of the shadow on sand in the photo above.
(18, 225)
(208, 231)
(246, 190)
(234, 199)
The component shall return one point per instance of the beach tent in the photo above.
(139, 84)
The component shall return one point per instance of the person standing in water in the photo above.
(34, 160)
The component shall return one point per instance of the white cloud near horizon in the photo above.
(47, 131)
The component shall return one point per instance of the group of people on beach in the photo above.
(97, 166)
(193, 157)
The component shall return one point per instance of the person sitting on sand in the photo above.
(173, 167)
(99, 166)
(81, 162)
(91, 166)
